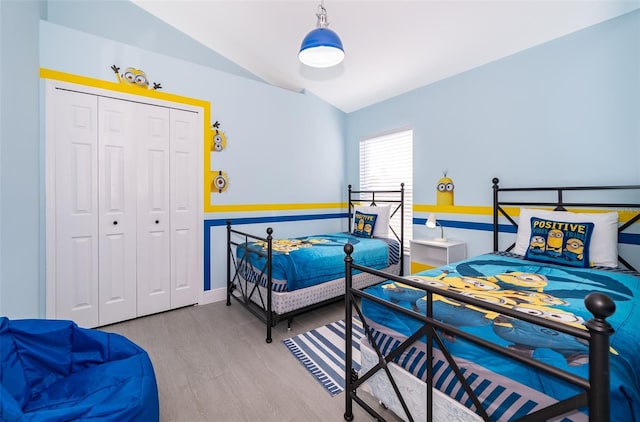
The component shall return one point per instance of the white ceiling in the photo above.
(391, 47)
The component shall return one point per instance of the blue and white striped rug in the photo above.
(321, 351)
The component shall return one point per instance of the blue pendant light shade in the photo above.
(321, 47)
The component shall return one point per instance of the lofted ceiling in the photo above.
(391, 47)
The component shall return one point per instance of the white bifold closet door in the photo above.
(125, 216)
(167, 209)
(154, 228)
(186, 131)
(73, 273)
(117, 210)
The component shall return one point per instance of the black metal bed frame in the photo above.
(252, 298)
(595, 389)
(560, 205)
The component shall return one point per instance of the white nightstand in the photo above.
(427, 254)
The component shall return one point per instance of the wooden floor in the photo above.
(212, 364)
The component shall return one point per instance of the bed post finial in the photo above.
(348, 249)
(495, 181)
(601, 306)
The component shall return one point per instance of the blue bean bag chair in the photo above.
(53, 370)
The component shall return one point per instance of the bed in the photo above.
(277, 279)
(515, 334)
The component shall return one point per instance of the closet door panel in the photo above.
(186, 139)
(154, 249)
(76, 208)
(117, 199)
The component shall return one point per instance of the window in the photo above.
(385, 162)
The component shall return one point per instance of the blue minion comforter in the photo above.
(306, 261)
(507, 389)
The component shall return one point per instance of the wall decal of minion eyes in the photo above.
(218, 138)
(219, 181)
(134, 78)
(444, 193)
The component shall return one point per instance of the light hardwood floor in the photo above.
(212, 364)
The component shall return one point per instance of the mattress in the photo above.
(284, 302)
(303, 262)
(506, 388)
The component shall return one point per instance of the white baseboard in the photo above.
(215, 295)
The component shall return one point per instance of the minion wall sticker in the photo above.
(134, 78)
(444, 191)
(219, 181)
(218, 138)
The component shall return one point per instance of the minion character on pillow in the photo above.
(574, 250)
(537, 244)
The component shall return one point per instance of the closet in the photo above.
(123, 214)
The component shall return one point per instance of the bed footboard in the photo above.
(594, 393)
(247, 293)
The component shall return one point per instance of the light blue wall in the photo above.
(576, 99)
(121, 20)
(21, 293)
(565, 112)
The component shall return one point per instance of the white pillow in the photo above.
(381, 228)
(604, 241)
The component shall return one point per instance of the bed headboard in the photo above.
(555, 198)
(395, 198)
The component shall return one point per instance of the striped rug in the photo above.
(321, 351)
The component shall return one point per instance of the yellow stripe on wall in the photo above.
(276, 207)
(623, 215)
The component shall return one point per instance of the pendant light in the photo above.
(321, 47)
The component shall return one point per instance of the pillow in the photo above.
(559, 242)
(604, 240)
(383, 212)
(364, 224)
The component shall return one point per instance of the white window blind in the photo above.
(385, 162)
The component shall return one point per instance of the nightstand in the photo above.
(427, 254)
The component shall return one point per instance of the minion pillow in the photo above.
(364, 224)
(560, 243)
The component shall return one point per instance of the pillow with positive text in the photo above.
(560, 242)
(383, 212)
(364, 224)
(604, 240)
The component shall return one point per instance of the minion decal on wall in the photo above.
(444, 191)
(219, 182)
(218, 138)
(134, 78)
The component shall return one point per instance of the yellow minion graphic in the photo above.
(218, 138)
(537, 244)
(444, 192)
(134, 77)
(554, 241)
(219, 181)
(531, 281)
(574, 249)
